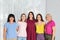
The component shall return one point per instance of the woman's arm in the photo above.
(4, 33)
(54, 30)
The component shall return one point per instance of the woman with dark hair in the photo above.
(9, 32)
(21, 30)
(31, 33)
(32, 15)
(40, 27)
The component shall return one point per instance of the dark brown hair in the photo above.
(40, 16)
(9, 16)
(32, 14)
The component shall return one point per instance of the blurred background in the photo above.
(17, 7)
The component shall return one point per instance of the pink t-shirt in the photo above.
(22, 29)
(48, 27)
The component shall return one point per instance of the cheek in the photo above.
(31, 15)
(47, 18)
(10, 19)
(39, 18)
(23, 17)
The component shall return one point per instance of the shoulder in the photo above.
(53, 22)
(26, 22)
(6, 23)
(36, 23)
(33, 21)
(15, 23)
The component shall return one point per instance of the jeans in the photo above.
(22, 38)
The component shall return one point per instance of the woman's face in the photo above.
(11, 19)
(31, 15)
(23, 17)
(48, 17)
(38, 17)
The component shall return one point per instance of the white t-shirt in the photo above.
(22, 29)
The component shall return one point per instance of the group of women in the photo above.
(29, 28)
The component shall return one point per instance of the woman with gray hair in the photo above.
(49, 28)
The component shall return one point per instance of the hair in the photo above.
(40, 16)
(22, 15)
(32, 14)
(49, 14)
(9, 16)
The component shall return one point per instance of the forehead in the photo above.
(48, 15)
(30, 13)
(11, 17)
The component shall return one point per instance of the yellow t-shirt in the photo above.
(40, 28)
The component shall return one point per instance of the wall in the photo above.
(53, 6)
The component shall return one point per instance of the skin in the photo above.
(23, 18)
(31, 16)
(5, 30)
(4, 34)
(49, 18)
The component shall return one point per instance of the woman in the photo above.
(40, 27)
(22, 34)
(49, 28)
(10, 28)
(31, 34)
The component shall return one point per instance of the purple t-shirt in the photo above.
(49, 26)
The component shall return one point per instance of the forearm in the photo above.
(53, 35)
(4, 36)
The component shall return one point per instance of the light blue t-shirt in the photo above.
(11, 30)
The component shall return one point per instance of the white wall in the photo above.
(53, 6)
(1, 17)
(20, 6)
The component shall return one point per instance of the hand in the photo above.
(52, 38)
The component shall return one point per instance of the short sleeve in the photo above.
(16, 24)
(53, 24)
(5, 25)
